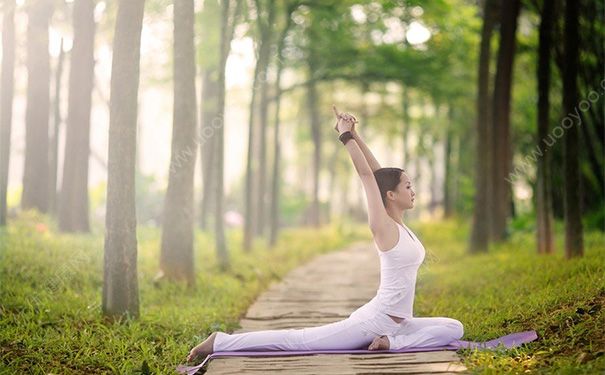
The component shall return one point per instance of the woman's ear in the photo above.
(390, 194)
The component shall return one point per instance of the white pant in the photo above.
(355, 332)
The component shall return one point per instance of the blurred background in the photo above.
(495, 109)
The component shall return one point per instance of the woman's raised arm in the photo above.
(378, 218)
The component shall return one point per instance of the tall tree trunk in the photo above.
(266, 38)
(312, 103)
(210, 26)
(7, 87)
(35, 171)
(544, 195)
(480, 228)
(574, 242)
(73, 202)
(447, 183)
(405, 98)
(250, 191)
(55, 135)
(207, 149)
(176, 257)
(226, 35)
(276, 175)
(502, 154)
(120, 287)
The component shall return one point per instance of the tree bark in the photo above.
(543, 191)
(501, 145)
(226, 35)
(120, 286)
(480, 228)
(276, 175)
(35, 171)
(210, 26)
(207, 149)
(447, 183)
(7, 88)
(55, 135)
(266, 38)
(176, 257)
(73, 201)
(312, 103)
(574, 243)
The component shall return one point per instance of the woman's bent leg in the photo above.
(426, 332)
(345, 334)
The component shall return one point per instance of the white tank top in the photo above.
(398, 270)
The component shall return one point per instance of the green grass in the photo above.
(510, 289)
(50, 291)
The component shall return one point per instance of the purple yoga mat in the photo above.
(509, 341)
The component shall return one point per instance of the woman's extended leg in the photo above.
(426, 332)
(345, 334)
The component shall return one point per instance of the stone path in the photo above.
(325, 290)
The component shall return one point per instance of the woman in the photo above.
(386, 322)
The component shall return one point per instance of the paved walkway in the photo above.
(326, 290)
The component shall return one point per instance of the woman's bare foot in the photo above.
(380, 343)
(203, 349)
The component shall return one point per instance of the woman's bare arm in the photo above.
(372, 162)
(378, 218)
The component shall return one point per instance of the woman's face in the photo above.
(404, 193)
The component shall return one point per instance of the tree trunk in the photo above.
(574, 246)
(543, 194)
(266, 38)
(210, 26)
(447, 183)
(312, 103)
(35, 171)
(226, 35)
(276, 175)
(405, 97)
(73, 202)
(251, 206)
(120, 287)
(501, 145)
(7, 88)
(480, 227)
(56, 134)
(207, 149)
(176, 258)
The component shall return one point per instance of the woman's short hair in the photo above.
(387, 179)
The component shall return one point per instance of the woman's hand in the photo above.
(345, 122)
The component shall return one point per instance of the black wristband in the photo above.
(345, 137)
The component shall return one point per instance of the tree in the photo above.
(543, 181)
(176, 258)
(209, 45)
(574, 245)
(253, 176)
(73, 201)
(227, 28)
(7, 84)
(500, 141)
(120, 287)
(480, 229)
(55, 133)
(35, 171)
(276, 175)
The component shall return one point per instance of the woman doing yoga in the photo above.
(386, 321)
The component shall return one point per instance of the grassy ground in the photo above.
(50, 287)
(511, 289)
(50, 293)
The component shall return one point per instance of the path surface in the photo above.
(326, 290)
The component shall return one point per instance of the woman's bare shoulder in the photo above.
(386, 235)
